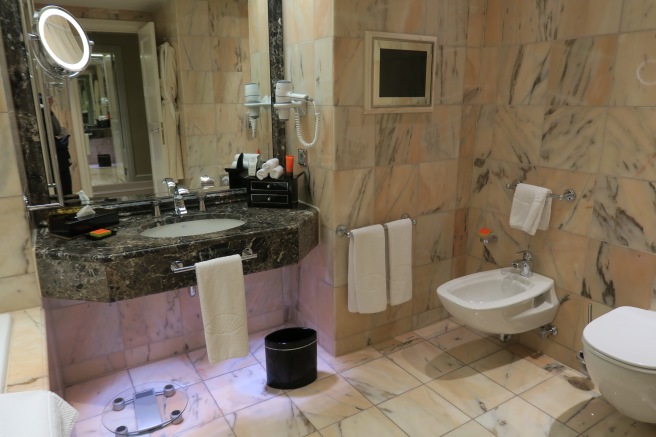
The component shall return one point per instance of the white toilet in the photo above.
(620, 355)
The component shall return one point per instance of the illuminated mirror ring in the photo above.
(60, 43)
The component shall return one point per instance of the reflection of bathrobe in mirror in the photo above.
(169, 91)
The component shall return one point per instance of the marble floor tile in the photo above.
(89, 398)
(425, 361)
(328, 401)
(177, 369)
(206, 370)
(510, 371)
(422, 412)
(470, 391)
(216, 428)
(276, 417)
(241, 388)
(571, 398)
(380, 380)
(397, 343)
(617, 424)
(201, 410)
(345, 362)
(539, 359)
(438, 328)
(518, 418)
(368, 422)
(465, 345)
(470, 429)
(91, 427)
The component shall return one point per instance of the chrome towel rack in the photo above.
(569, 194)
(179, 267)
(342, 231)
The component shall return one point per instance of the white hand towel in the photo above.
(261, 174)
(399, 257)
(36, 413)
(367, 277)
(277, 172)
(531, 208)
(270, 164)
(223, 306)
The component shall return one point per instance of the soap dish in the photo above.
(111, 234)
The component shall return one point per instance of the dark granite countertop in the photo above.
(128, 265)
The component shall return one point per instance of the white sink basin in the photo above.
(501, 301)
(193, 227)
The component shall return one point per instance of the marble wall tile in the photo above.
(196, 53)
(323, 18)
(572, 138)
(348, 71)
(4, 87)
(150, 319)
(398, 137)
(426, 278)
(495, 14)
(10, 184)
(193, 17)
(448, 20)
(321, 189)
(476, 23)
(624, 212)
(263, 292)
(499, 254)
(433, 238)
(226, 54)
(228, 18)
(264, 321)
(299, 67)
(588, 17)
(228, 87)
(567, 317)
(19, 292)
(574, 216)
(198, 87)
(634, 82)
(202, 149)
(460, 233)
(354, 134)
(486, 120)
(561, 256)
(638, 15)
(199, 119)
(629, 140)
(523, 74)
(582, 70)
(440, 137)
(404, 16)
(299, 21)
(230, 118)
(395, 193)
(526, 22)
(464, 185)
(323, 71)
(16, 256)
(87, 370)
(470, 114)
(436, 191)
(617, 276)
(352, 18)
(481, 75)
(347, 323)
(517, 134)
(354, 198)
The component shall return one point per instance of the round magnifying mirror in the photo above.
(65, 48)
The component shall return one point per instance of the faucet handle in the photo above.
(206, 182)
(527, 255)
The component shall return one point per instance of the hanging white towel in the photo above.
(36, 413)
(399, 257)
(367, 278)
(531, 208)
(223, 306)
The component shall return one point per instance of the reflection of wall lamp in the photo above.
(254, 103)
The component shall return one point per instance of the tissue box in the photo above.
(68, 226)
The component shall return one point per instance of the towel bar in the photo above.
(569, 194)
(341, 230)
(179, 267)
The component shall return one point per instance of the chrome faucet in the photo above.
(176, 191)
(525, 264)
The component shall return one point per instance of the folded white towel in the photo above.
(277, 172)
(399, 257)
(531, 208)
(233, 164)
(262, 173)
(36, 413)
(367, 277)
(270, 164)
(223, 306)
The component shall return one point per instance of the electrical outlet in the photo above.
(302, 157)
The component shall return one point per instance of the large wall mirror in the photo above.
(106, 111)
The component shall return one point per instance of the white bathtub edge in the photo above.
(5, 334)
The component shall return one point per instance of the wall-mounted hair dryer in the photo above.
(253, 103)
(286, 99)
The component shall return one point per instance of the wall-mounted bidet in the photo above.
(620, 356)
(501, 301)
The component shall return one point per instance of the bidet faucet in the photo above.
(176, 191)
(525, 264)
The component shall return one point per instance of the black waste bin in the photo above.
(291, 357)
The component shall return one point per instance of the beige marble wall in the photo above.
(18, 283)
(93, 338)
(568, 102)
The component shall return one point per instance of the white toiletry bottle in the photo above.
(252, 165)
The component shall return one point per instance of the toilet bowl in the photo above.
(500, 301)
(620, 355)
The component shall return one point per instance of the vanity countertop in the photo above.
(128, 265)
